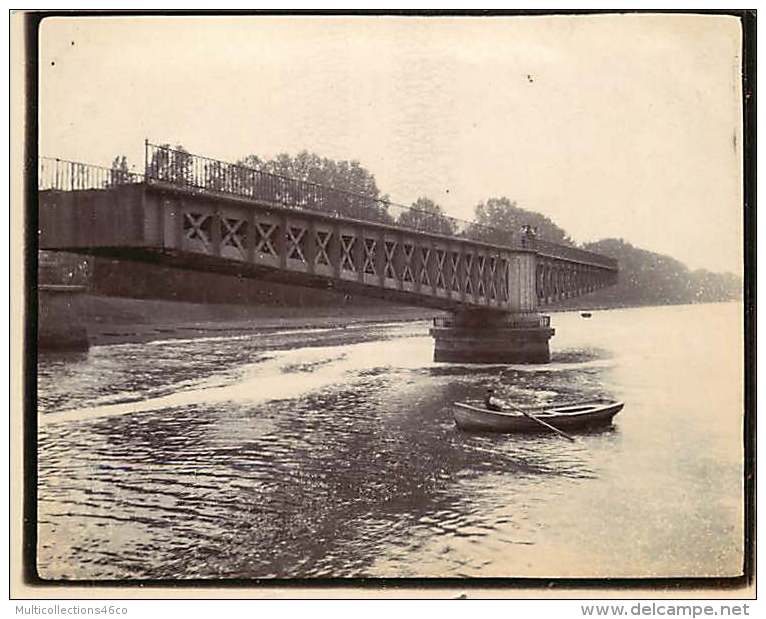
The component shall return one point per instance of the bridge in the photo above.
(202, 214)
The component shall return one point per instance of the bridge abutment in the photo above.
(59, 318)
(479, 336)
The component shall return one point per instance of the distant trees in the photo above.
(119, 173)
(305, 166)
(172, 164)
(648, 278)
(342, 187)
(499, 220)
(120, 167)
(709, 286)
(428, 216)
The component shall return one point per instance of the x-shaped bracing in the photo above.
(389, 248)
(233, 232)
(441, 256)
(322, 246)
(294, 239)
(493, 278)
(346, 256)
(481, 288)
(369, 256)
(425, 256)
(408, 251)
(455, 279)
(468, 272)
(196, 228)
(264, 242)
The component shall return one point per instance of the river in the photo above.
(218, 458)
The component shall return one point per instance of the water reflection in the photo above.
(287, 487)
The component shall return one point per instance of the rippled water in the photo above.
(217, 458)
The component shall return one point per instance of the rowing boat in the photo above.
(572, 416)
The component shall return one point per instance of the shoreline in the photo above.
(114, 320)
(111, 320)
(306, 331)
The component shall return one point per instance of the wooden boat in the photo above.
(572, 416)
(585, 314)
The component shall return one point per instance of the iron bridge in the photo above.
(199, 213)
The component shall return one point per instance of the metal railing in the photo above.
(168, 165)
(63, 175)
(574, 254)
(202, 174)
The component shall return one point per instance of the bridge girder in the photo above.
(194, 230)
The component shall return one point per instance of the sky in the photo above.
(624, 126)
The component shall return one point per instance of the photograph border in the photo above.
(30, 581)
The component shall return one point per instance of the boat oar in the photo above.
(541, 422)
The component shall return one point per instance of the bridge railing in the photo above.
(202, 174)
(574, 254)
(64, 175)
(199, 173)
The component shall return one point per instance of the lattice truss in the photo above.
(198, 227)
(426, 266)
(505, 278)
(441, 256)
(234, 234)
(265, 238)
(347, 242)
(556, 280)
(370, 247)
(296, 244)
(408, 252)
(389, 267)
(322, 256)
(455, 272)
(468, 274)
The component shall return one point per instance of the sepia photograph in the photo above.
(409, 298)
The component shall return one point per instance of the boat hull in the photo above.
(568, 418)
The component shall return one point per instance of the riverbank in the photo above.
(117, 320)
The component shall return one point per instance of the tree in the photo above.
(120, 172)
(251, 161)
(171, 164)
(427, 216)
(340, 187)
(500, 221)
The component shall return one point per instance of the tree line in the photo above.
(649, 278)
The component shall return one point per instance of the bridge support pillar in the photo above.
(59, 318)
(479, 336)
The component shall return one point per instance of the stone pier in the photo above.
(477, 336)
(59, 318)
(518, 333)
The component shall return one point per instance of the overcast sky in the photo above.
(612, 126)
